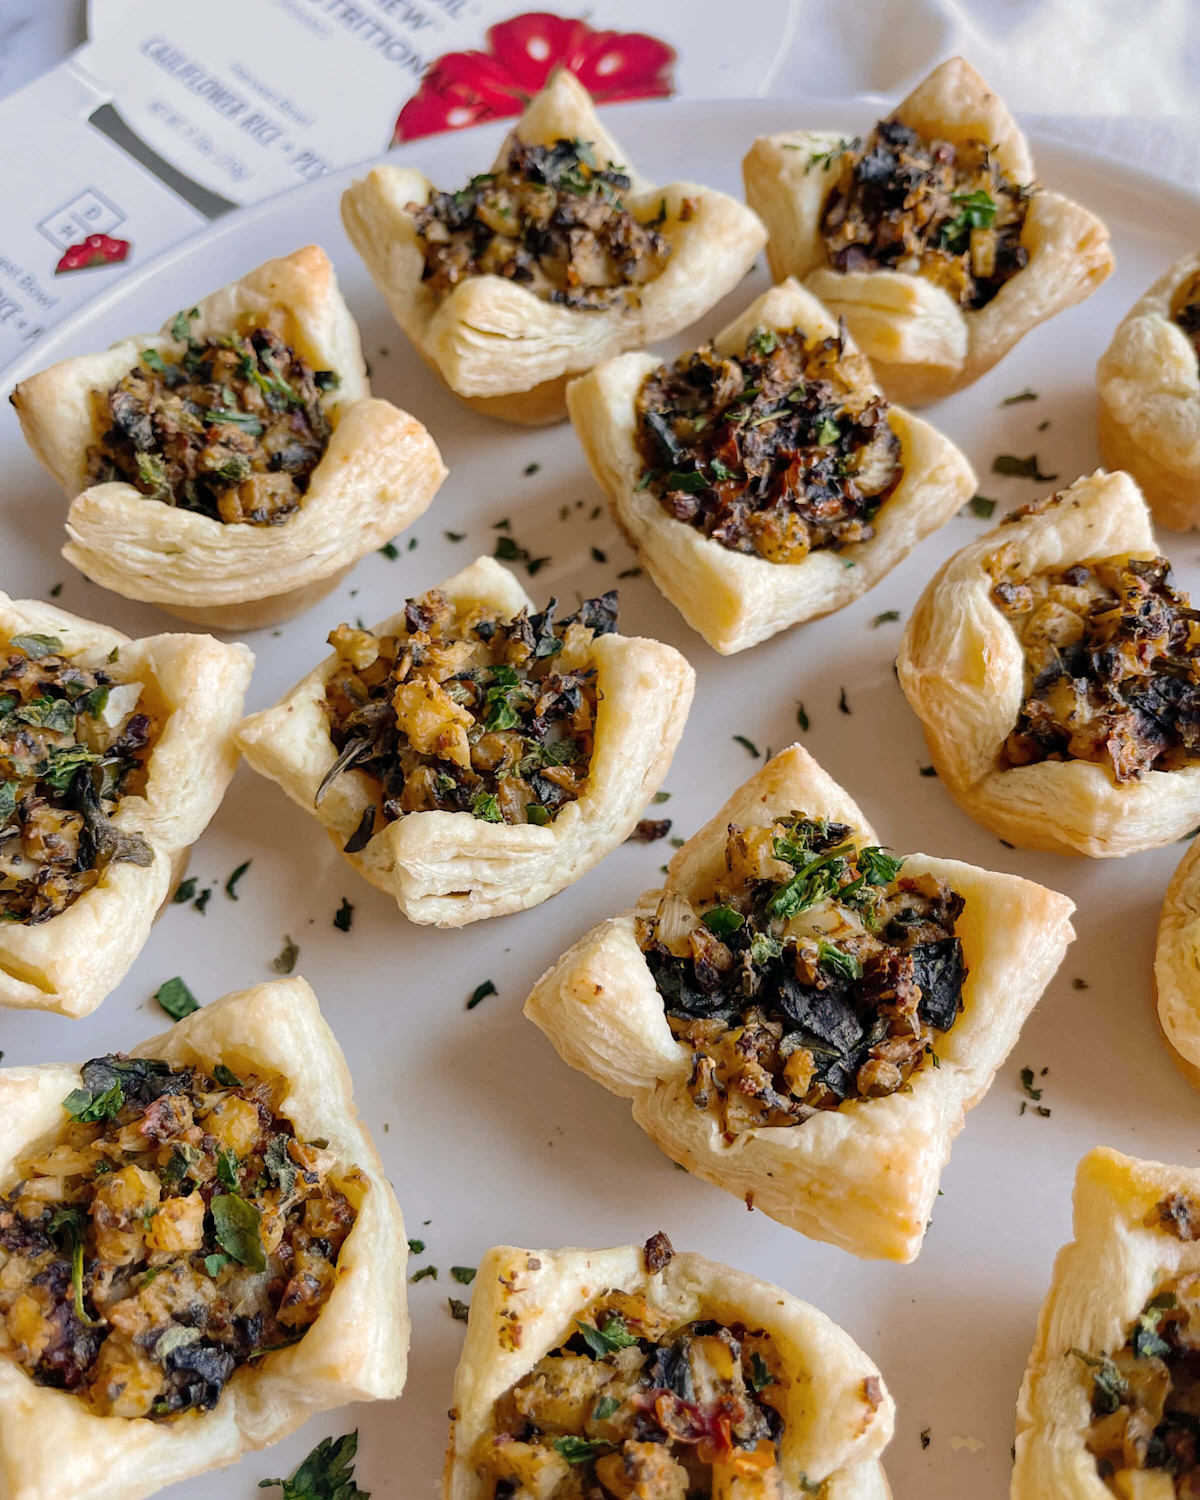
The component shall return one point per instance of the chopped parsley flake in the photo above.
(288, 954)
(1020, 468)
(176, 999)
(481, 992)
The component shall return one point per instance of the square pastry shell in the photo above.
(1101, 1282)
(502, 348)
(377, 475)
(962, 669)
(863, 1176)
(921, 344)
(52, 1447)
(72, 961)
(737, 599)
(1149, 384)
(450, 868)
(525, 1303)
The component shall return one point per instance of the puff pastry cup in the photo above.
(736, 599)
(923, 343)
(1136, 1226)
(193, 687)
(52, 1447)
(863, 1175)
(1149, 385)
(1177, 966)
(508, 352)
(962, 668)
(451, 868)
(837, 1415)
(378, 472)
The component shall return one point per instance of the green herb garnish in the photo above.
(37, 646)
(1020, 468)
(86, 1107)
(577, 1450)
(607, 1340)
(486, 808)
(835, 960)
(760, 1376)
(326, 1474)
(285, 961)
(237, 1225)
(723, 920)
(481, 992)
(176, 999)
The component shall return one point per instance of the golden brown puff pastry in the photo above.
(1149, 383)
(1137, 1237)
(962, 667)
(450, 868)
(733, 598)
(837, 1415)
(922, 343)
(863, 1175)
(193, 689)
(1177, 966)
(505, 350)
(377, 473)
(51, 1446)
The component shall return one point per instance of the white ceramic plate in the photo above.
(489, 1138)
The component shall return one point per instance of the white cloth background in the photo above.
(1122, 76)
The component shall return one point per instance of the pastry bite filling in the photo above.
(775, 452)
(466, 710)
(553, 220)
(814, 973)
(232, 429)
(74, 741)
(1185, 308)
(1112, 666)
(175, 1229)
(1145, 1427)
(634, 1404)
(943, 210)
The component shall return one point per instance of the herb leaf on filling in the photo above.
(816, 971)
(464, 710)
(326, 1474)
